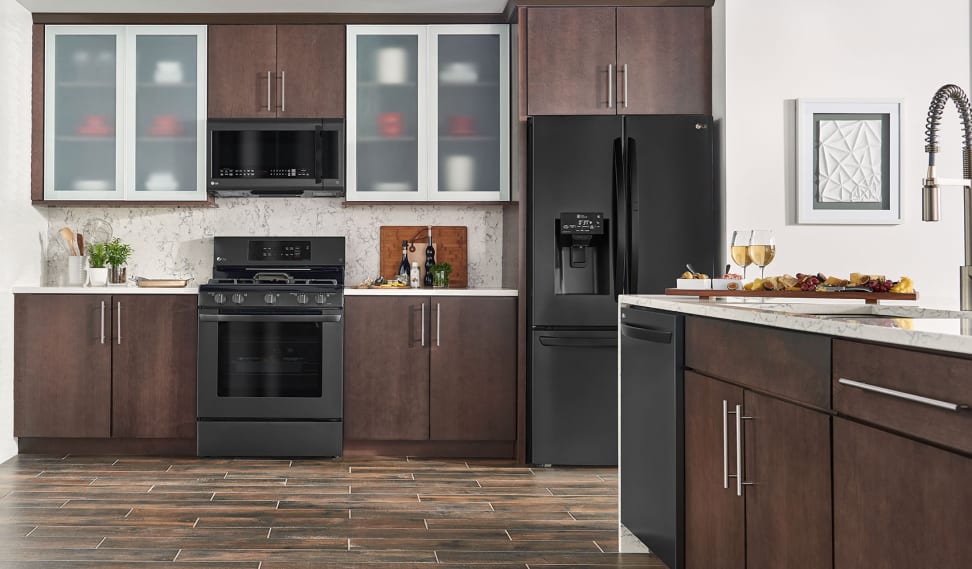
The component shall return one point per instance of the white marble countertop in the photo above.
(111, 289)
(902, 324)
(430, 292)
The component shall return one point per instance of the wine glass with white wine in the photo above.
(739, 249)
(762, 250)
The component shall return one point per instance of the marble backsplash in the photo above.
(177, 242)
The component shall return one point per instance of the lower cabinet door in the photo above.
(62, 365)
(473, 369)
(788, 491)
(386, 368)
(899, 503)
(153, 341)
(715, 515)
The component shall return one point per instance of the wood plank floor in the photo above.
(147, 512)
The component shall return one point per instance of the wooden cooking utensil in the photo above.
(68, 237)
(80, 244)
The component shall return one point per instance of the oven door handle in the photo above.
(270, 318)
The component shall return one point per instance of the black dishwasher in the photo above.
(652, 402)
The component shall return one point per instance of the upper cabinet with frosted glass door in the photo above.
(428, 113)
(125, 110)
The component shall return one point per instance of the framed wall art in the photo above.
(848, 162)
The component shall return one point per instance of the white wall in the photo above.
(21, 225)
(780, 50)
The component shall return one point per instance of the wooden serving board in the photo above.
(867, 297)
(449, 242)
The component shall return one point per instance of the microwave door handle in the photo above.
(318, 151)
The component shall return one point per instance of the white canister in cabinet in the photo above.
(460, 173)
(392, 65)
(415, 278)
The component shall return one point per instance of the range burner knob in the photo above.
(238, 298)
(302, 298)
(320, 299)
(270, 298)
(219, 298)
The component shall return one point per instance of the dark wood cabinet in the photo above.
(783, 517)
(310, 71)
(898, 502)
(629, 60)
(153, 366)
(715, 531)
(386, 368)
(62, 365)
(100, 366)
(261, 71)
(242, 65)
(438, 370)
(664, 60)
(473, 369)
(569, 51)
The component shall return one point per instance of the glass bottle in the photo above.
(429, 261)
(404, 267)
(415, 281)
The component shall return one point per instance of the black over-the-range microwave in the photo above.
(276, 157)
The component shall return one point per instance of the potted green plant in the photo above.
(440, 275)
(117, 254)
(97, 259)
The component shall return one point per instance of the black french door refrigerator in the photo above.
(617, 204)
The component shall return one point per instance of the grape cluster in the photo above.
(807, 282)
(879, 286)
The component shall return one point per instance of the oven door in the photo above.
(270, 365)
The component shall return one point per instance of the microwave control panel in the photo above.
(272, 173)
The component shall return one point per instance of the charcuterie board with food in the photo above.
(870, 288)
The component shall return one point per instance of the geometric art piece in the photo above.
(849, 158)
(848, 162)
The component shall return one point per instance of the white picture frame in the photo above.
(848, 162)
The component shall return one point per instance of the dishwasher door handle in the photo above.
(554, 342)
(647, 334)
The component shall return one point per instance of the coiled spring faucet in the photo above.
(931, 184)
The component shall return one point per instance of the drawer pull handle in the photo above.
(904, 395)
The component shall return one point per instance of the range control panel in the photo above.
(591, 223)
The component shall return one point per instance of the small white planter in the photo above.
(98, 277)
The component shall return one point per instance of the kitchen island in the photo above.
(810, 434)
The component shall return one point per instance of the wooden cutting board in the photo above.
(449, 242)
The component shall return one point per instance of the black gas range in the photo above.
(271, 337)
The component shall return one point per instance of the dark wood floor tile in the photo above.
(366, 531)
(150, 531)
(128, 565)
(295, 555)
(192, 543)
(412, 506)
(54, 542)
(564, 534)
(482, 545)
(506, 522)
(287, 519)
(49, 554)
(540, 558)
(610, 516)
(397, 565)
(579, 490)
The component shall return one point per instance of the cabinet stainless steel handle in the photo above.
(423, 324)
(610, 75)
(269, 82)
(947, 405)
(438, 324)
(725, 444)
(102, 322)
(624, 70)
(283, 91)
(119, 323)
(739, 454)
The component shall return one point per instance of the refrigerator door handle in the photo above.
(554, 342)
(631, 219)
(620, 225)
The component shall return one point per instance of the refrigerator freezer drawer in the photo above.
(573, 398)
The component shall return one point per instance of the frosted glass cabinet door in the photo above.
(166, 115)
(386, 122)
(471, 112)
(83, 113)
